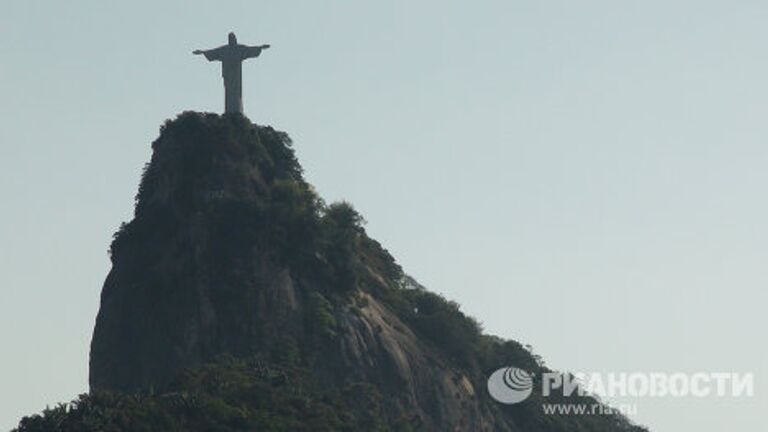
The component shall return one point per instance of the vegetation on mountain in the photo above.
(221, 198)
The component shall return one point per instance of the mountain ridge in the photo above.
(235, 274)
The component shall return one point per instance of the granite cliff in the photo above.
(239, 300)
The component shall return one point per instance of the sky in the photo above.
(585, 177)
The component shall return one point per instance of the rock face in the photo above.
(231, 252)
(185, 286)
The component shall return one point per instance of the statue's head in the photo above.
(232, 38)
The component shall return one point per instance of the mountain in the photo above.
(238, 300)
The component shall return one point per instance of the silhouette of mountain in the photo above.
(239, 300)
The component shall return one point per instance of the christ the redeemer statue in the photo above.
(231, 57)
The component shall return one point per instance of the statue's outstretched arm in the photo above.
(254, 51)
(211, 54)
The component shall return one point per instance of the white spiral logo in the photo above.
(510, 385)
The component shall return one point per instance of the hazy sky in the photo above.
(587, 177)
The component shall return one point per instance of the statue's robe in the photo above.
(231, 58)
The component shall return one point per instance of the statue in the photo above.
(231, 57)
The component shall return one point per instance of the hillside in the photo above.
(239, 300)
